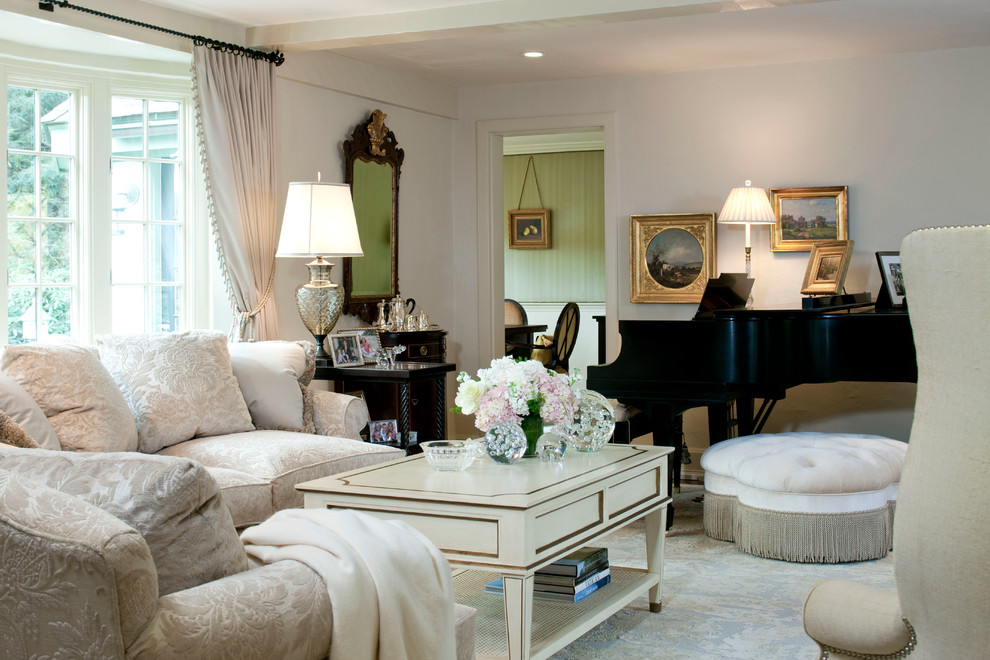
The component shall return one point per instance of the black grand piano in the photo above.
(740, 355)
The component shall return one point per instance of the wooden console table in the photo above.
(413, 393)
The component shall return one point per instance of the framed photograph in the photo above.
(807, 216)
(529, 229)
(384, 431)
(827, 267)
(891, 279)
(672, 256)
(345, 350)
(368, 342)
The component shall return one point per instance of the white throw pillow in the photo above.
(269, 374)
(19, 405)
(76, 394)
(179, 385)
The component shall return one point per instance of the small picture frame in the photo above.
(345, 350)
(892, 281)
(368, 342)
(808, 216)
(383, 432)
(827, 266)
(672, 255)
(529, 229)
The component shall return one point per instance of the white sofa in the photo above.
(245, 411)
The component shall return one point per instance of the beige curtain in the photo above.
(235, 98)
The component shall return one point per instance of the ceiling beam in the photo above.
(482, 19)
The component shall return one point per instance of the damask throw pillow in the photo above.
(179, 385)
(76, 393)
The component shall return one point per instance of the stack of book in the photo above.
(570, 579)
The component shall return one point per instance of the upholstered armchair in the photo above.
(129, 555)
(141, 559)
(940, 609)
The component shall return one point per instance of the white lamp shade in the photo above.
(747, 206)
(319, 221)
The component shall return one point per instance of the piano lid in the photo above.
(727, 291)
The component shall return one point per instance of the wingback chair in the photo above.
(940, 609)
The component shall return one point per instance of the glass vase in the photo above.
(532, 426)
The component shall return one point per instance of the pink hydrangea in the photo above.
(510, 390)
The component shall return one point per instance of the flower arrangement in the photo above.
(511, 390)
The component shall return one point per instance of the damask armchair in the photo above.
(135, 556)
(940, 609)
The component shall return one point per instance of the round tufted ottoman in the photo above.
(808, 497)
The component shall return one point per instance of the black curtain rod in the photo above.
(275, 57)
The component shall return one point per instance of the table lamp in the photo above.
(748, 206)
(319, 222)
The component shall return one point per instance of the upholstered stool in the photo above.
(808, 497)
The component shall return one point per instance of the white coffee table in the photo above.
(510, 520)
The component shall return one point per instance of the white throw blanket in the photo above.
(390, 587)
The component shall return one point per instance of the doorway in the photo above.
(564, 174)
(491, 222)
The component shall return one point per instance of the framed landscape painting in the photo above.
(672, 256)
(827, 266)
(806, 216)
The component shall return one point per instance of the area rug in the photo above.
(718, 602)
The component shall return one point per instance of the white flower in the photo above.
(468, 394)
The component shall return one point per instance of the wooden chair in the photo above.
(515, 314)
(556, 351)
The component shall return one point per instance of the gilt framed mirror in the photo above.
(372, 161)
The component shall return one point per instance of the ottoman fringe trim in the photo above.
(824, 538)
(718, 516)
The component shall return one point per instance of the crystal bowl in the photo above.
(449, 455)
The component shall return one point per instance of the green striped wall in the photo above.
(572, 186)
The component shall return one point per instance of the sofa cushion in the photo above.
(12, 434)
(283, 458)
(269, 374)
(25, 411)
(175, 505)
(179, 385)
(248, 498)
(76, 393)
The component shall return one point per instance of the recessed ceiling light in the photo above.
(532, 53)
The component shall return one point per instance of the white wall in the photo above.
(907, 133)
(314, 121)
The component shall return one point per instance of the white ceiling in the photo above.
(466, 42)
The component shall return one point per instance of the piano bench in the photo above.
(804, 497)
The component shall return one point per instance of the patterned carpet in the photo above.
(718, 602)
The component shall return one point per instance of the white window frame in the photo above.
(94, 87)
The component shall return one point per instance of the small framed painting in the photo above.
(672, 256)
(529, 229)
(806, 216)
(345, 350)
(892, 282)
(827, 266)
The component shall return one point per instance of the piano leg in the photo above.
(668, 432)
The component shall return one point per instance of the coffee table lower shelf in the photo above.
(555, 624)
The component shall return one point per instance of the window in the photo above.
(41, 213)
(146, 209)
(104, 223)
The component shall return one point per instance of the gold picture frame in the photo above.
(529, 229)
(672, 256)
(808, 216)
(827, 266)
